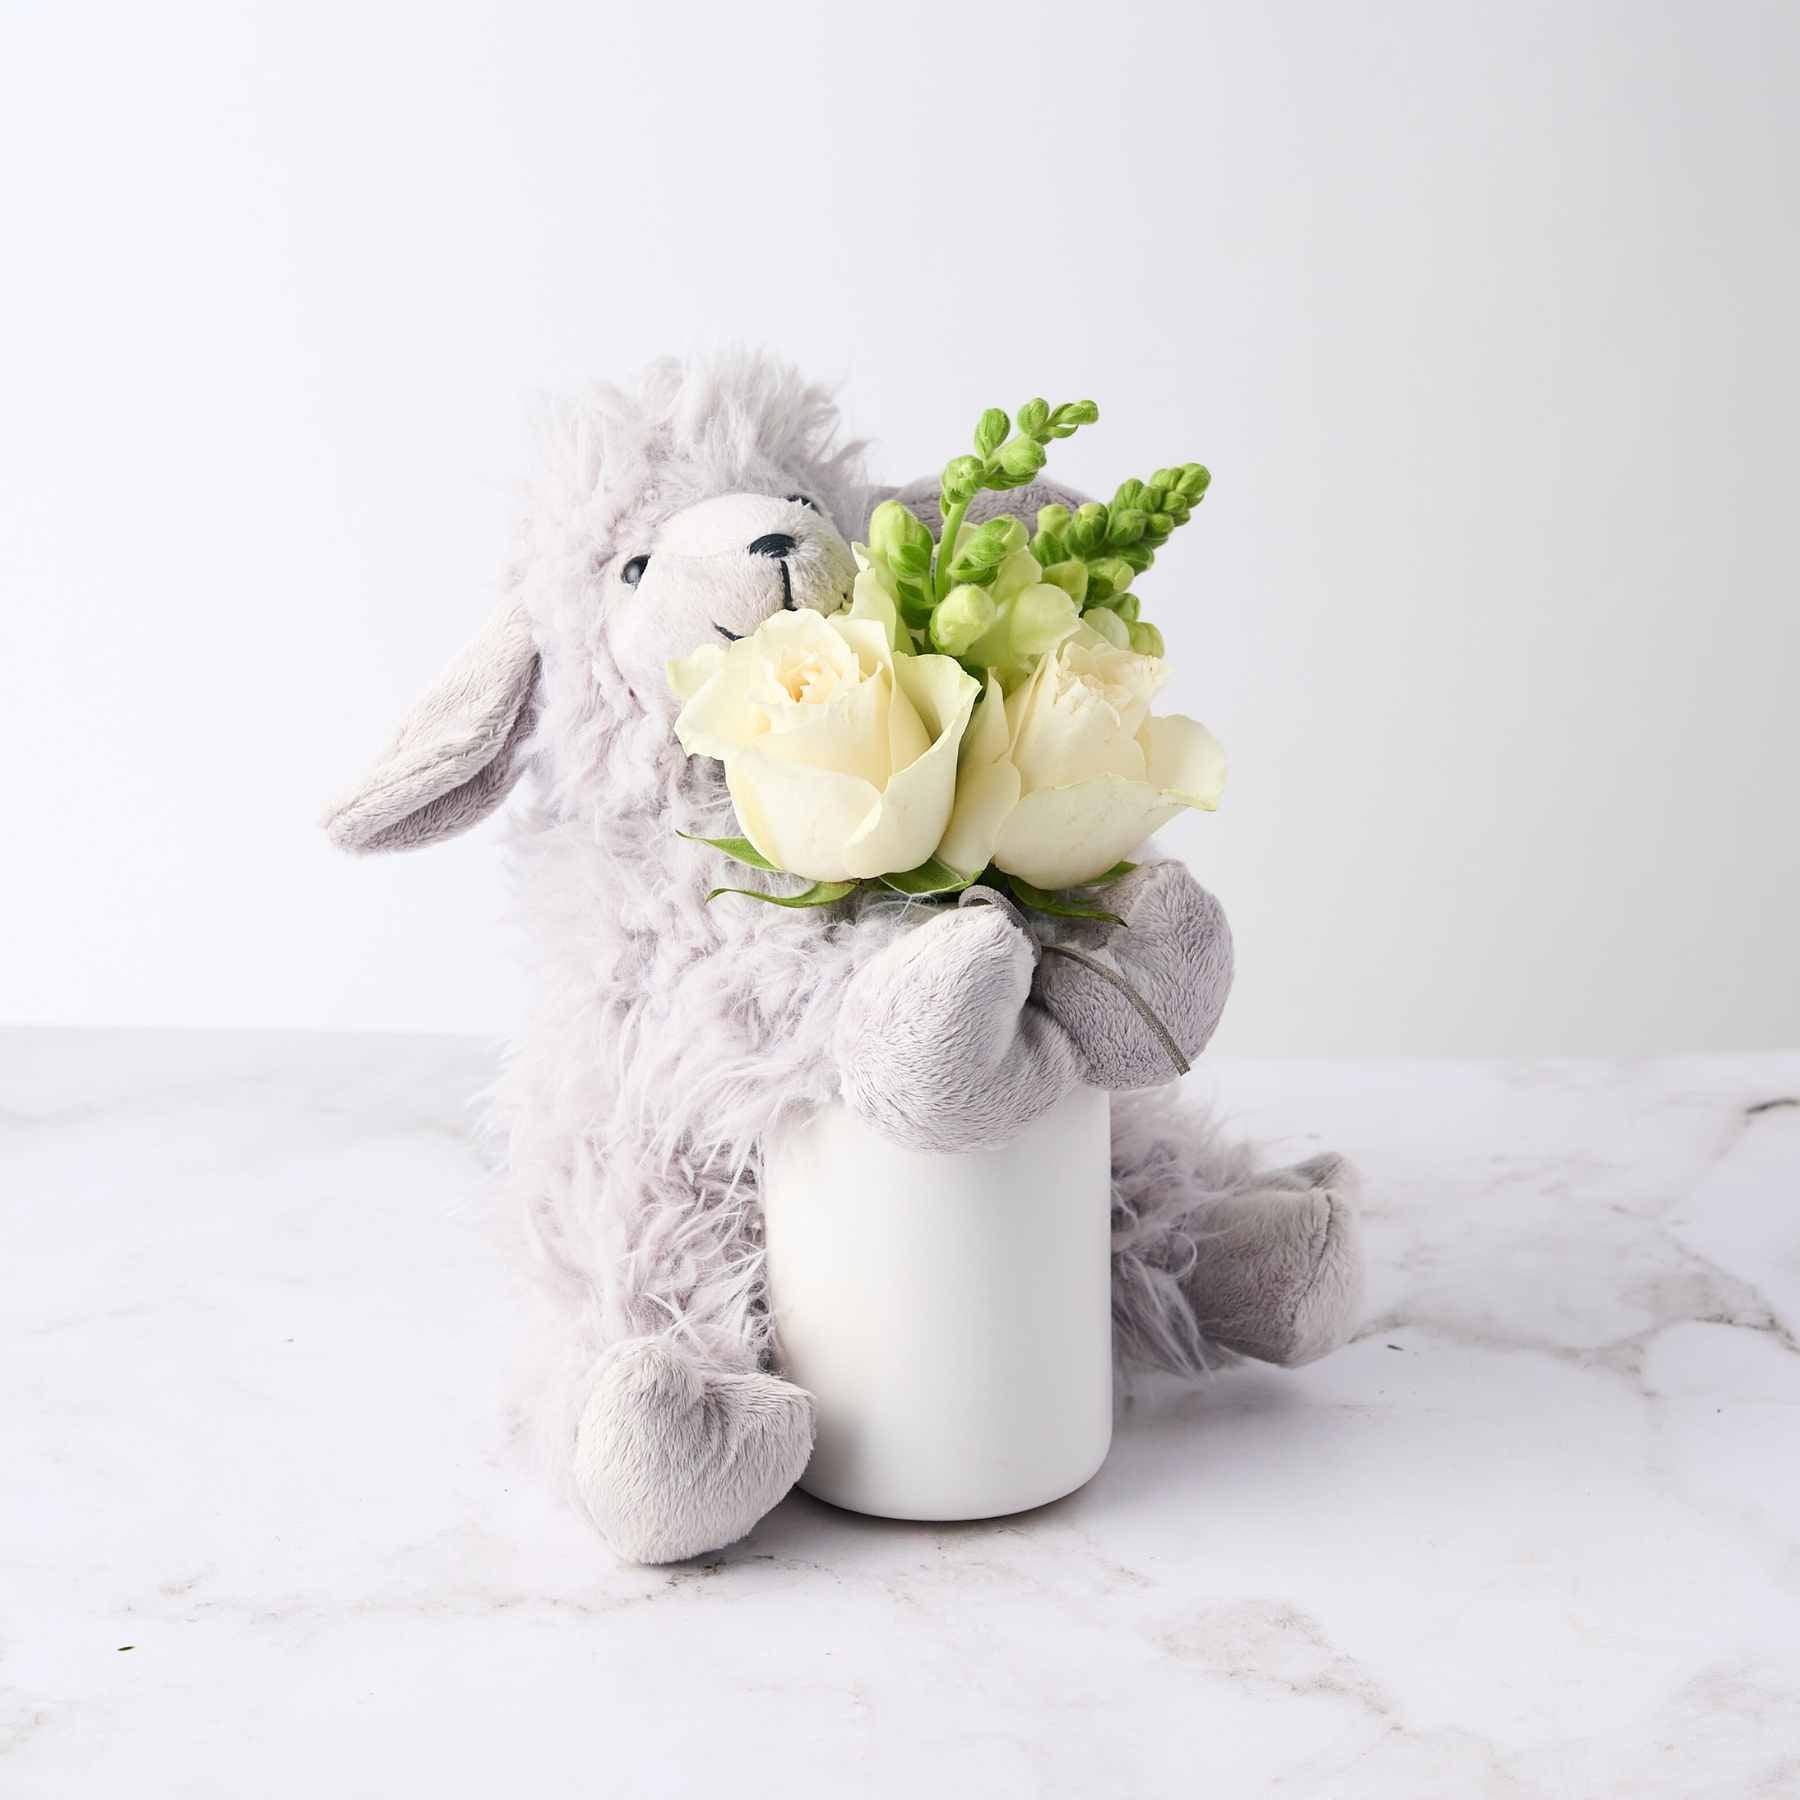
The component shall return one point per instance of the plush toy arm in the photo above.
(1174, 954)
(938, 1042)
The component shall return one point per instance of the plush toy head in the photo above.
(716, 570)
(679, 512)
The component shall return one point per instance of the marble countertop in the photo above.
(268, 1525)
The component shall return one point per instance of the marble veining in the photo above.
(269, 1526)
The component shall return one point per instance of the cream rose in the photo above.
(1096, 774)
(840, 756)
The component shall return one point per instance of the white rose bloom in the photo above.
(840, 756)
(1096, 773)
(987, 787)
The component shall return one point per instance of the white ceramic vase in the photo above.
(950, 1314)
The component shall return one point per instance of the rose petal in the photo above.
(689, 674)
(849, 734)
(1061, 837)
(720, 713)
(1072, 732)
(940, 690)
(916, 807)
(803, 819)
(1185, 760)
(987, 788)
(908, 735)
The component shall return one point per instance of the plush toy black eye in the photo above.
(804, 501)
(633, 571)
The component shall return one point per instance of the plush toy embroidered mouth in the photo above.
(780, 547)
(668, 1039)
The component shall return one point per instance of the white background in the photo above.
(1484, 319)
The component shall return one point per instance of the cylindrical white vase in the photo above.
(950, 1314)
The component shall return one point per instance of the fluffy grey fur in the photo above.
(669, 1038)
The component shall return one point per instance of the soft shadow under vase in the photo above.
(950, 1314)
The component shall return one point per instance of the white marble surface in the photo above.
(1536, 1533)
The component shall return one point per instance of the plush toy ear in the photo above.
(456, 756)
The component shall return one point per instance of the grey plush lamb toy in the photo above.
(669, 1037)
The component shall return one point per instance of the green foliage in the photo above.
(1058, 906)
(1117, 872)
(931, 880)
(1001, 462)
(821, 893)
(1094, 554)
(930, 877)
(967, 612)
(739, 849)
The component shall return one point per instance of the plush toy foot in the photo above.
(673, 1459)
(1280, 1269)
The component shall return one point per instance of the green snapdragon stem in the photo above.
(940, 584)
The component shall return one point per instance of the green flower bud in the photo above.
(990, 432)
(1130, 492)
(1071, 414)
(897, 538)
(981, 553)
(1137, 557)
(1034, 620)
(1049, 547)
(1034, 415)
(1019, 460)
(1146, 640)
(1053, 518)
(1195, 480)
(1109, 625)
(1071, 576)
(1125, 524)
(913, 559)
(1114, 571)
(916, 600)
(1159, 526)
(1087, 530)
(960, 618)
(1126, 606)
(1008, 530)
(962, 479)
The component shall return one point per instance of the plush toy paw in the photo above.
(1279, 1270)
(672, 1459)
(937, 1046)
(1173, 954)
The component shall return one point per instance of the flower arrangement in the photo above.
(978, 712)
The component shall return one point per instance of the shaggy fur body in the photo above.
(671, 1038)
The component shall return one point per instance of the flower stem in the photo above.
(940, 585)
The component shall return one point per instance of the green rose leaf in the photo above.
(739, 849)
(1117, 872)
(1059, 906)
(821, 893)
(930, 877)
